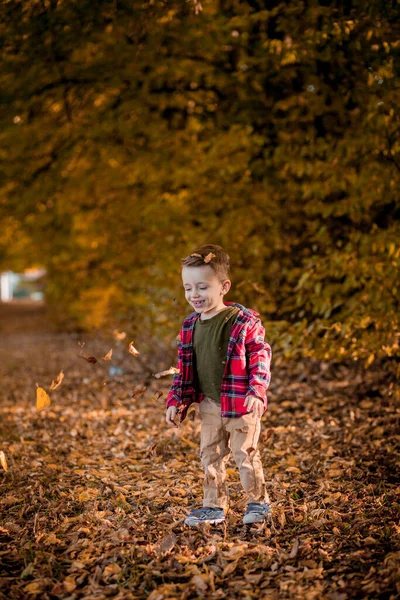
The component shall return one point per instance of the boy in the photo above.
(224, 364)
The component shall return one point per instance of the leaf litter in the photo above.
(97, 489)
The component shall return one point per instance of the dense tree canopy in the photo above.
(133, 131)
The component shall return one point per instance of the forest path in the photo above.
(97, 488)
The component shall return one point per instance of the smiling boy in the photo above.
(224, 364)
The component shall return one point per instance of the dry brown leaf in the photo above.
(295, 548)
(57, 381)
(167, 544)
(3, 461)
(209, 257)
(112, 569)
(133, 350)
(108, 355)
(170, 371)
(158, 394)
(42, 398)
(195, 254)
(138, 392)
(230, 568)
(199, 583)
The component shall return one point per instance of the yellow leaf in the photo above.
(42, 399)
(3, 461)
(35, 587)
(189, 442)
(87, 495)
(112, 569)
(108, 355)
(57, 381)
(69, 583)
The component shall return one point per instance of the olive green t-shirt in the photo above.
(210, 341)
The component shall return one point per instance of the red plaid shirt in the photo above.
(247, 368)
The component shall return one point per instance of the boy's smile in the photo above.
(204, 291)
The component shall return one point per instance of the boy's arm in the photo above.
(174, 397)
(259, 362)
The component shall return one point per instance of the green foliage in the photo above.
(141, 130)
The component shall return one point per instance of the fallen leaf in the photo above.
(69, 583)
(209, 257)
(199, 583)
(295, 549)
(230, 568)
(111, 570)
(57, 381)
(35, 587)
(170, 371)
(133, 350)
(3, 461)
(167, 544)
(87, 495)
(108, 355)
(42, 398)
(195, 254)
(158, 394)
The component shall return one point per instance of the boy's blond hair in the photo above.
(212, 255)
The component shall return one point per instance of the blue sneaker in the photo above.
(205, 515)
(256, 513)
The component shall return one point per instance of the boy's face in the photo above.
(203, 290)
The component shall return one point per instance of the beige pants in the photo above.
(219, 437)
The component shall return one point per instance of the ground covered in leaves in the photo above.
(97, 488)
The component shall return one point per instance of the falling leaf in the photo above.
(88, 357)
(57, 381)
(170, 371)
(133, 350)
(108, 355)
(3, 461)
(158, 394)
(138, 392)
(42, 398)
(119, 335)
(209, 257)
(189, 442)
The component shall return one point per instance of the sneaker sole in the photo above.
(193, 522)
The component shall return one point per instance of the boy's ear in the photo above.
(226, 286)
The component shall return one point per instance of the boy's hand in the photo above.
(255, 403)
(170, 416)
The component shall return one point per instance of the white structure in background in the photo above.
(6, 286)
(14, 286)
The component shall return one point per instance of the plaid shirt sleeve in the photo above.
(174, 397)
(259, 361)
